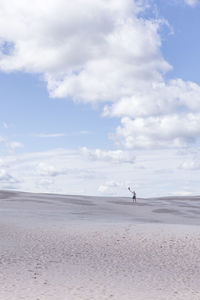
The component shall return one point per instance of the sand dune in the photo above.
(61, 247)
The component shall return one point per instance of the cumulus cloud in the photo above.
(175, 130)
(190, 165)
(103, 51)
(10, 146)
(46, 169)
(6, 177)
(80, 43)
(15, 145)
(160, 99)
(168, 114)
(110, 187)
(116, 156)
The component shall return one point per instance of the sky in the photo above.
(100, 95)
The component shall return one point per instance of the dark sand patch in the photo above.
(82, 214)
(188, 206)
(196, 212)
(128, 203)
(142, 204)
(167, 211)
(76, 202)
(121, 202)
(147, 220)
(28, 200)
(7, 194)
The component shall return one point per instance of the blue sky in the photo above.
(99, 95)
(28, 111)
(181, 48)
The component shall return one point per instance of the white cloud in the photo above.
(85, 132)
(80, 43)
(49, 135)
(116, 156)
(103, 51)
(191, 2)
(165, 115)
(68, 172)
(103, 189)
(5, 177)
(5, 125)
(190, 165)
(160, 99)
(56, 135)
(14, 145)
(2, 139)
(175, 130)
(112, 187)
(182, 193)
(46, 169)
(1, 162)
(10, 146)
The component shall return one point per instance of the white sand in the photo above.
(77, 248)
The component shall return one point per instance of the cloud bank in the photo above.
(153, 173)
(116, 156)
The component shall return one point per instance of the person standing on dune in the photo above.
(134, 194)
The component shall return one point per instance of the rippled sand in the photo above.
(57, 247)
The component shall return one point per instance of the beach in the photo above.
(63, 247)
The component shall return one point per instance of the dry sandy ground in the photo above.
(57, 247)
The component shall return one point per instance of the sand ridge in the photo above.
(166, 210)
